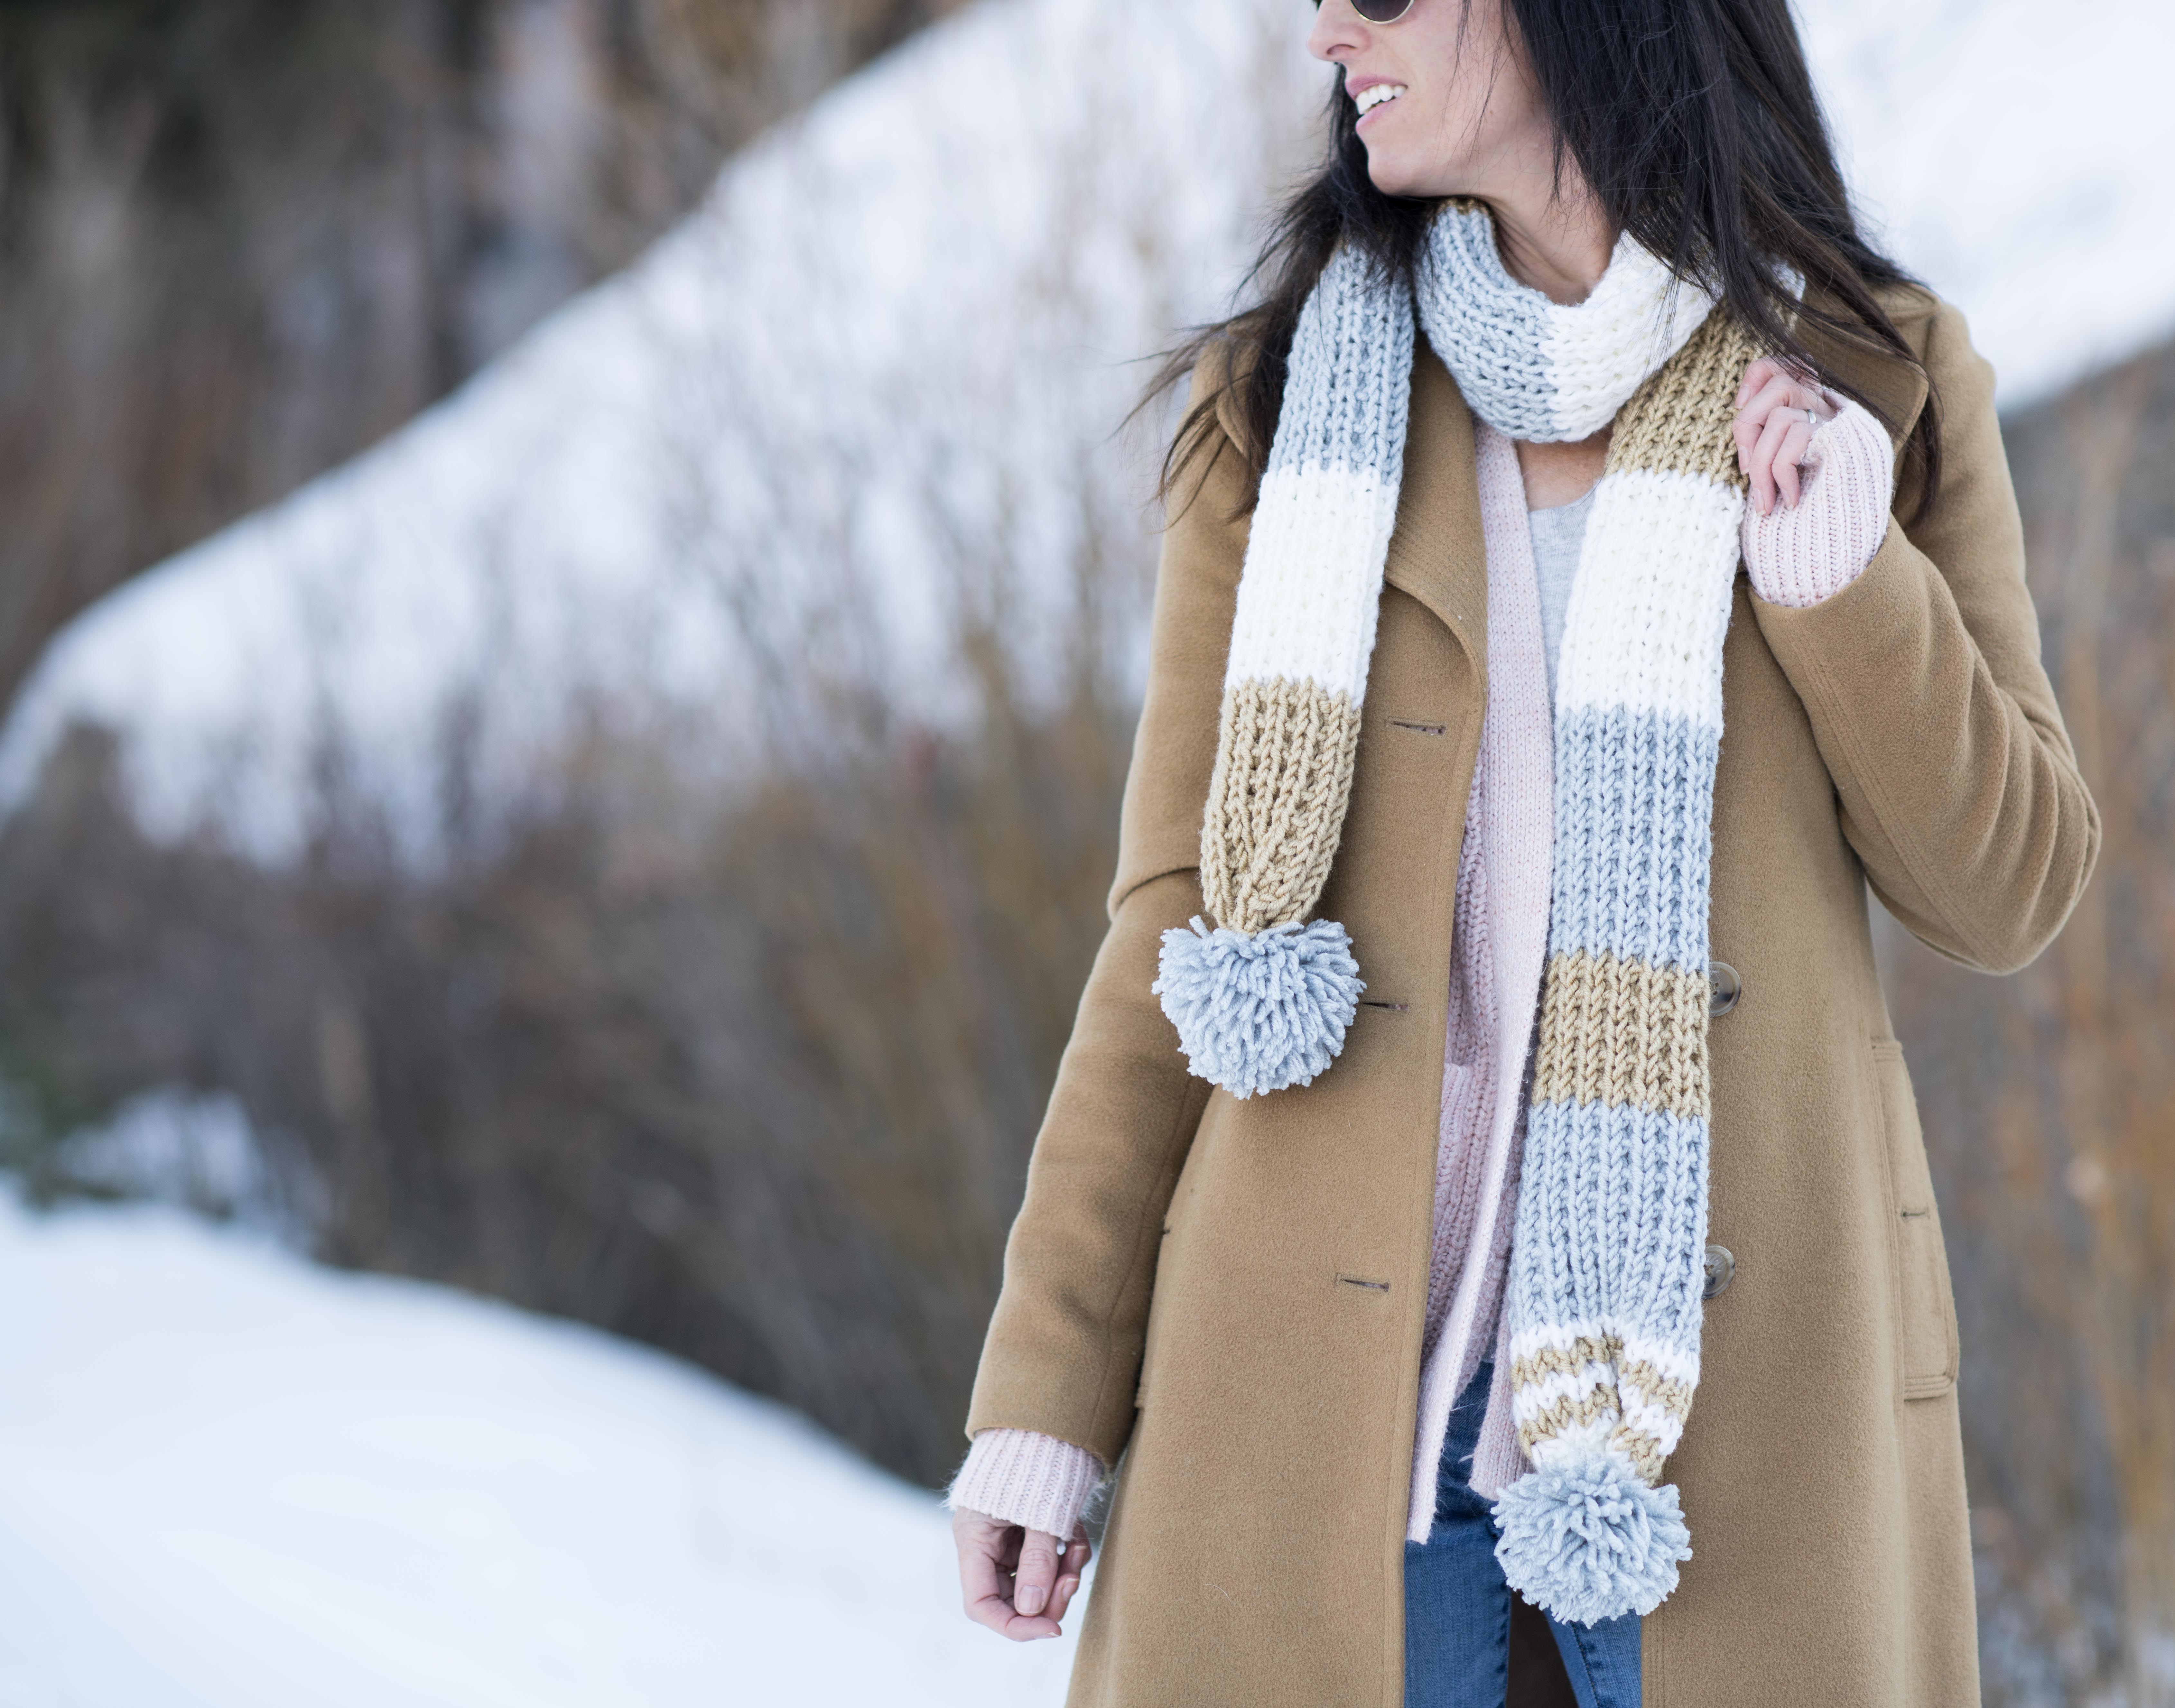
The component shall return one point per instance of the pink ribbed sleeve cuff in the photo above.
(1034, 1481)
(1804, 553)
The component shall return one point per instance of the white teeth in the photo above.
(1374, 94)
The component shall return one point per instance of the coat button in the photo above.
(1720, 1266)
(1724, 987)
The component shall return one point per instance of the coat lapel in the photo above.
(1437, 553)
(1893, 388)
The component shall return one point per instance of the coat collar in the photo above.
(1437, 552)
(1896, 388)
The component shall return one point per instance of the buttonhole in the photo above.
(1418, 729)
(1908, 1214)
(1372, 1286)
(1394, 1007)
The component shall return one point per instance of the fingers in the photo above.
(982, 1568)
(1070, 1570)
(1773, 466)
(1038, 1572)
(1766, 370)
(1757, 375)
(1776, 391)
(1776, 394)
(1777, 409)
(996, 1558)
(1788, 468)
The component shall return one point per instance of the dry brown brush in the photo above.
(752, 1078)
(2050, 1103)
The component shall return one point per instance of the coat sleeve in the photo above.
(1064, 1349)
(1957, 783)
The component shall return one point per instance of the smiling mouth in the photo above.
(1375, 94)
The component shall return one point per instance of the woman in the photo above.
(1486, 1058)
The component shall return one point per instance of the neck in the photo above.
(1559, 244)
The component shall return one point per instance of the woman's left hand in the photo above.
(1776, 412)
(1017, 1582)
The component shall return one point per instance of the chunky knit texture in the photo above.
(1611, 1219)
(1026, 1479)
(1498, 941)
(1808, 552)
(1607, 1270)
(1541, 371)
(1259, 1019)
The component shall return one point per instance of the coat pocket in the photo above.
(1160, 1293)
(1926, 1329)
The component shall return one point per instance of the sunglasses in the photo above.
(1377, 11)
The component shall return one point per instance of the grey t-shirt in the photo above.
(1558, 534)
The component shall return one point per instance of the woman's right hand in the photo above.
(1017, 1582)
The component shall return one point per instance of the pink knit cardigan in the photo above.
(1795, 556)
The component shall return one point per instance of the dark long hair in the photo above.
(1695, 123)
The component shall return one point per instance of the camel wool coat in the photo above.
(1225, 1297)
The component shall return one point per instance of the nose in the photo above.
(1337, 29)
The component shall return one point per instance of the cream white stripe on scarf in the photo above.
(1610, 1230)
(1263, 1001)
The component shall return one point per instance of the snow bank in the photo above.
(910, 320)
(897, 337)
(230, 1480)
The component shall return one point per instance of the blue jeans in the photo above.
(1458, 1606)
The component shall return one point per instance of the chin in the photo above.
(1391, 176)
(1397, 170)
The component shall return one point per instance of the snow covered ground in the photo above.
(231, 1480)
(903, 322)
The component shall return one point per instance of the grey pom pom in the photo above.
(1258, 1012)
(1588, 1541)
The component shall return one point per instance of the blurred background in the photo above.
(572, 579)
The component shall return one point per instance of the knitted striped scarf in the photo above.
(1609, 1243)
